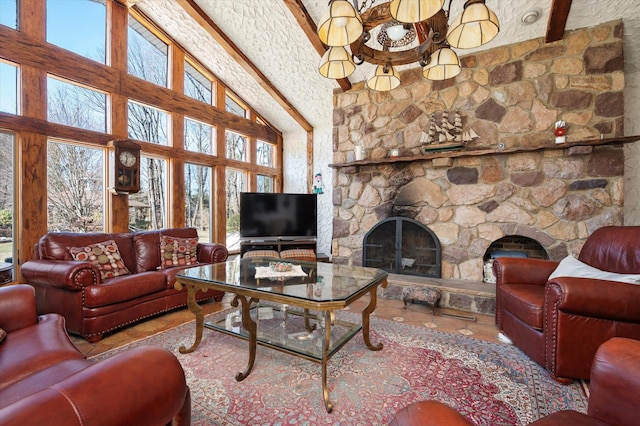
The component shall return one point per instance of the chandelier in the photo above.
(401, 32)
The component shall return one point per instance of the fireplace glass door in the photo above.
(403, 246)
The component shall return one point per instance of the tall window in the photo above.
(79, 26)
(75, 188)
(264, 154)
(148, 208)
(234, 107)
(147, 54)
(235, 146)
(76, 106)
(236, 183)
(197, 187)
(8, 86)
(9, 13)
(198, 136)
(197, 85)
(265, 183)
(148, 124)
(7, 215)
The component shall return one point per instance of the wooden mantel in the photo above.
(488, 151)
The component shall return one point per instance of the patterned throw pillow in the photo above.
(105, 256)
(3, 334)
(176, 251)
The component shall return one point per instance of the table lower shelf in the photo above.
(286, 331)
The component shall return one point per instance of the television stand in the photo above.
(277, 243)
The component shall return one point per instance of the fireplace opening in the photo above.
(401, 245)
(510, 246)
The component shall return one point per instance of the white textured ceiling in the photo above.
(268, 34)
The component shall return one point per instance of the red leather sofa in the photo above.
(615, 388)
(561, 322)
(92, 305)
(45, 380)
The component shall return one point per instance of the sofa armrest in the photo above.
(141, 386)
(523, 270)
(587, 297)
(65, 274)
(17, 307)
(615, 382)
(212, 253)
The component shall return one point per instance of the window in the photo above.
(235, 146)
(79, 26)
(265, 183)
(148, 208)
(9, 13)
(198, 136)
(148, 124)
(75, 188)
(197, 187)
(8, 86)
(197, 85)
(147, 54)
(236, 183)
(76, 106)
(234, 107)
(7, 213)
(264, 154)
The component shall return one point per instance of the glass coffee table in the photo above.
(292, 311)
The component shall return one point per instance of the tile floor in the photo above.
(416, 314)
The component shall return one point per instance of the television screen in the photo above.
(278, 215)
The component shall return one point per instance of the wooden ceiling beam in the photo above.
(311, 30)
(234, 51)
(557, 20)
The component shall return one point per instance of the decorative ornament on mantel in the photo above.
(401, 32)
(560, 130)
(445, 135)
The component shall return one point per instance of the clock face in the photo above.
(127, 158)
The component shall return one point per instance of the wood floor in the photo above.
(482, 327)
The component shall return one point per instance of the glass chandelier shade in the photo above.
(475, 26)
(444, 64)
(336, 63)
(341, 24)
(385, 78)
(412, 11)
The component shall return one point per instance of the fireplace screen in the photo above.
(403, 246)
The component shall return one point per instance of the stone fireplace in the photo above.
(554, 196)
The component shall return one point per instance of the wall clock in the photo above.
(127, 166)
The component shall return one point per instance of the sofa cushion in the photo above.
(147, 246)
(261, 253)
(523, 301)
(175, 251)
(299, 254)
(104, 255)
(55, 245)
(124, 288)
(35, 348)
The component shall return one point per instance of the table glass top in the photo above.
(322, 282)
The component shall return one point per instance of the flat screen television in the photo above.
(277, 215)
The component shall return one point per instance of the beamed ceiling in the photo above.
(267, 51)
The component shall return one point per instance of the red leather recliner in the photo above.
(45, 380)
(560, 323)
(615, 387)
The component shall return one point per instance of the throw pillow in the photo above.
(105, 256)
(176, 251)
(572, 267)
(3, 334)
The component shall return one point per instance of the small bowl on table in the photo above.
(281, 266)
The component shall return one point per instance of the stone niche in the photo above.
(511, 96)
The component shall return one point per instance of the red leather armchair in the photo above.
(615, 387)
(560, 323)
(44, 379)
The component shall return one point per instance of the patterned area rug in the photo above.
(489, 383)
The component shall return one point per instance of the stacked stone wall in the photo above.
(509, 95)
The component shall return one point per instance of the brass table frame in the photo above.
(247, 296)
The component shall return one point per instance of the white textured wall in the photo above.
(632, 151)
